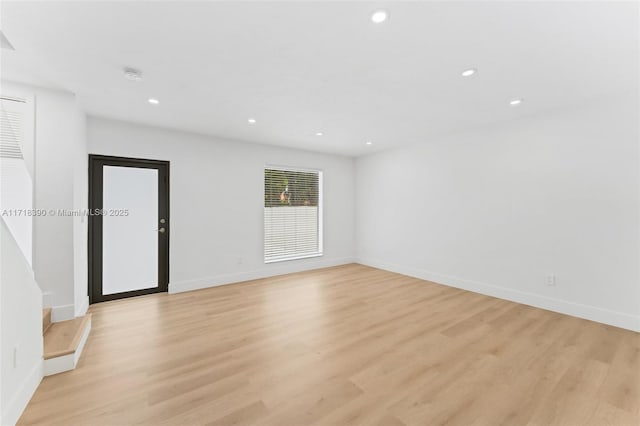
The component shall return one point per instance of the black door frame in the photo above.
(96, 163)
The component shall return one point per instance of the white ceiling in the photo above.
(304, 67)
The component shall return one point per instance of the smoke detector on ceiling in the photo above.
(132, 74)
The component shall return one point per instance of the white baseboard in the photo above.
(67, 312)
(82, 309)
(83, 341)
(272, 270)
(593, 313)
(19, 402)
(58, 364)
(62, 313)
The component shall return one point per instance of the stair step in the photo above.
(46, 320)
(63, 344)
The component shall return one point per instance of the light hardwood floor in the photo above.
(343, 345)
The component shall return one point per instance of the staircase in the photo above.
(63, 342)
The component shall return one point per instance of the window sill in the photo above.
(285, 259)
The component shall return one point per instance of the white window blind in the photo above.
(11, 129)
(16, 188)
(292, 214)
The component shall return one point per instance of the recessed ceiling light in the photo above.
(252, 121)
(132, 74)
(153, 101)
(469, 72)
(369, 143)
(319, 133)
(379, 16)
(515, 102)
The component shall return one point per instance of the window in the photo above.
(292, 214)
(16, 168)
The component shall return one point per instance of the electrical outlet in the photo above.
(551, 280)
(240, 261)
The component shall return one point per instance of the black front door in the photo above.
(128, 227)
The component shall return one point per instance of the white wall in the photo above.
(80, 202)
(217, 201)
(497, 209)
(53, 259)
(20, 329)
(59, 249)
(16, 194)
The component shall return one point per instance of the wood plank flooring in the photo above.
(342, 346)
(63, 338)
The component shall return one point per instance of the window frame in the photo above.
(320, 251)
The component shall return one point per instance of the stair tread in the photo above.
(63, 338)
